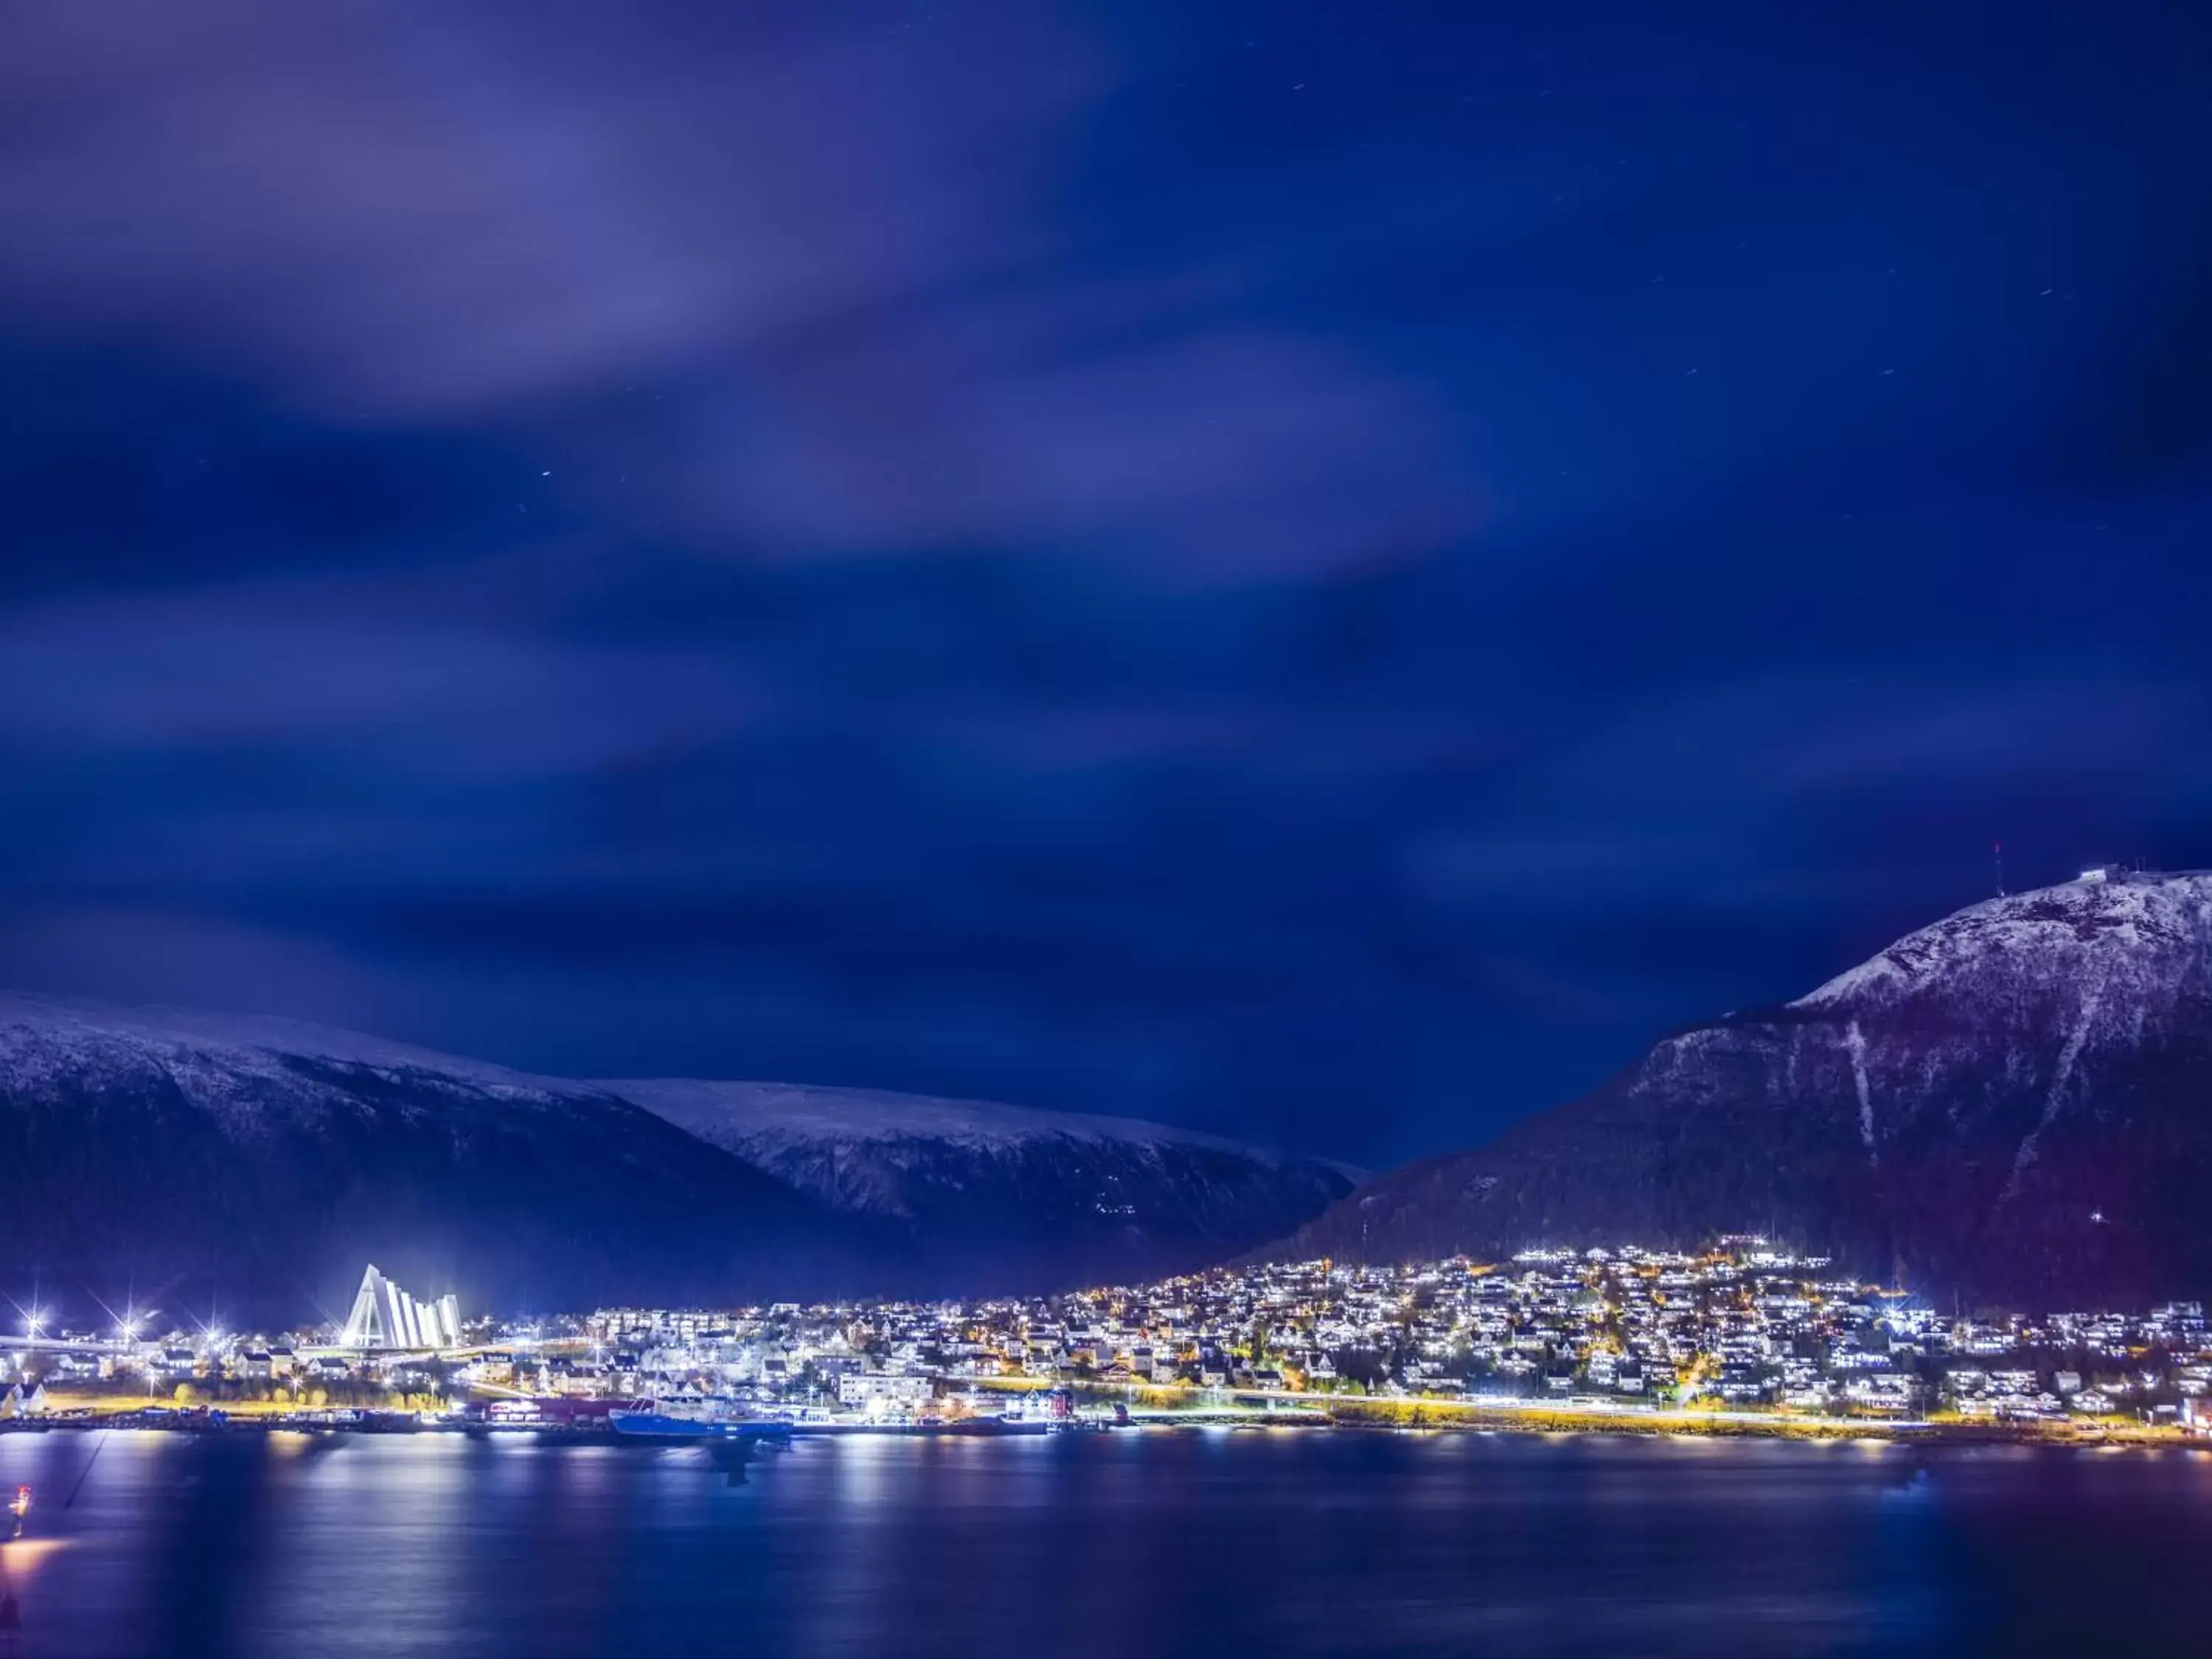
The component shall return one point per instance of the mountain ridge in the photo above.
(1070, 1196)
(2015, 1101)
(259, 1160)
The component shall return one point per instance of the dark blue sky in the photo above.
(1324, 572)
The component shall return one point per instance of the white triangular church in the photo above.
(16, 1403)
(385, 1316)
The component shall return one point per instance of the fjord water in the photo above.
(1163, 1543)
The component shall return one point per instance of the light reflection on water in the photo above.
(1290, 1544)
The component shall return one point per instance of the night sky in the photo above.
(1325, 572)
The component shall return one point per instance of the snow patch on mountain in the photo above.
(1854, 1040)
(2061, 1074)
(247, 1073)
(36, 1031)
(791, 1111)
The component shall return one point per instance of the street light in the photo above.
(34, 1323)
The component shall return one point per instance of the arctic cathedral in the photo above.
(385, 1316)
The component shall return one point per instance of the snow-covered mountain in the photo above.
(195, 1160)
(2015, 1102)
(1047, 1197)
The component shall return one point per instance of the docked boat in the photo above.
(998, 1426)
(653, 1421)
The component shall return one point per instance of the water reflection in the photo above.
(245, 1547)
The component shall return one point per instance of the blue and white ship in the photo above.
(704, 1420)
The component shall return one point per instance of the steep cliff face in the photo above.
(2015, 1103)
(990, 1195)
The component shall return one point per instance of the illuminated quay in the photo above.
(1741, 1337)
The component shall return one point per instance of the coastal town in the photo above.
(1743, 1335)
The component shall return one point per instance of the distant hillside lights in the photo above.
(385, 1316)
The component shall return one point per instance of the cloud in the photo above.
(997, 549)
(838, 246)
(425, 210)
(412, 693)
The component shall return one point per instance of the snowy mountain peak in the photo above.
(2149, 931)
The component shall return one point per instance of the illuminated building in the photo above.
(385, 1316)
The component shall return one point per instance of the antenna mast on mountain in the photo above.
(2000, 857)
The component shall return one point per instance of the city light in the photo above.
(1744, 1336)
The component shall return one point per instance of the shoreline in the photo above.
(1413, 1417)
